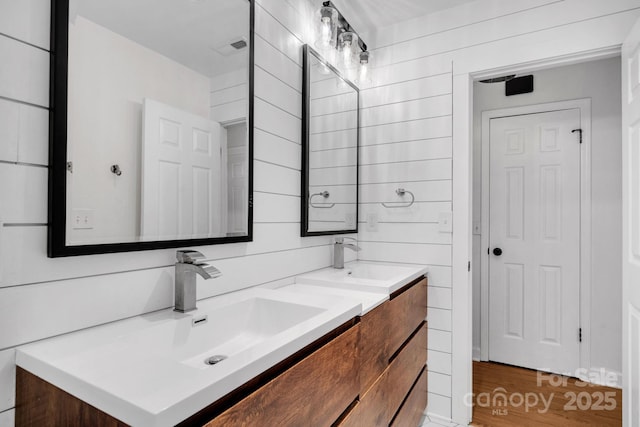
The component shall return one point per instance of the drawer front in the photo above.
(406, 367)
(374, 351)
(315, 391)
(413, 408)
(406, 312)
(372, 410)
(386, 328)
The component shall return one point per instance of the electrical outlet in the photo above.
(372, 221)
(82, 219)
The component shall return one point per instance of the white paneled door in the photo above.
(181, 174)
(631, 227)
(534, 259)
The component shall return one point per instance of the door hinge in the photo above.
(579, 334)
(469, 266)
(578, 130)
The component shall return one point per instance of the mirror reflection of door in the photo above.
(178, 148)
(237, 179)
(192, 59)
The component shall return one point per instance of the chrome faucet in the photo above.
(338, 250)
(186, 269)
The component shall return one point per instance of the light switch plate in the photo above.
(350, 220)
(82, 219)
(445, 222)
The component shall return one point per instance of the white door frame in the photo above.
(584, 105)
(462, 323)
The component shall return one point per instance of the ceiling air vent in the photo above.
(239, 44)
(232, 46)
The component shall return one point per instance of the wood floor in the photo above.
(509, 396)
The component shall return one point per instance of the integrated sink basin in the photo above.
(159, 369)
(365, 276)
(230, 330)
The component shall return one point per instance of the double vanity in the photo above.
(343, 347)
(340, 346)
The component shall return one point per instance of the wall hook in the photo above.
(116, 170)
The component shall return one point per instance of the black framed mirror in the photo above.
(151, 125)
(330, 141)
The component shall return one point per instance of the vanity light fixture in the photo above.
(341, 45)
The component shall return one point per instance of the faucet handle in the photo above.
(188, 256)
(341, 239)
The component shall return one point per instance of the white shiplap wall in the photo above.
(407, 139)
(406, 142)
(228, 97)
(42, 297)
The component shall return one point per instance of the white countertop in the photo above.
(365, 276)
(369, 300)
(137, 370)
(149, 370)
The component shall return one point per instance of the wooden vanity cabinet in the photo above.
(314, 392)
(387, 327)
(393, 350)
(312, 387)
(368, 372)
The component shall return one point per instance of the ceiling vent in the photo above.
(232, 46)
(240, 44)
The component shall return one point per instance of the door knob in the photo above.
(497, 251)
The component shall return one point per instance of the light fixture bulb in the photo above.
(364, 76)
(348, 42)
(326, 27)
(364, 71)
(346, 51)
(325, 37)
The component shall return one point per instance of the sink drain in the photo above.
(214, 359)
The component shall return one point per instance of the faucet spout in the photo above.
(185, 275)
(206, 271)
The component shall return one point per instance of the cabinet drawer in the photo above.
(406, 312)
(379, 403)
(374, 352)
(315, 391)
(384, 329)
(406, 367)
(372, 410)
(411, 411)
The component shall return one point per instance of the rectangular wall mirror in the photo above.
(330, 134)
(151, 124)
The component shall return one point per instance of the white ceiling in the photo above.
(369, 15)
(188, 31)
